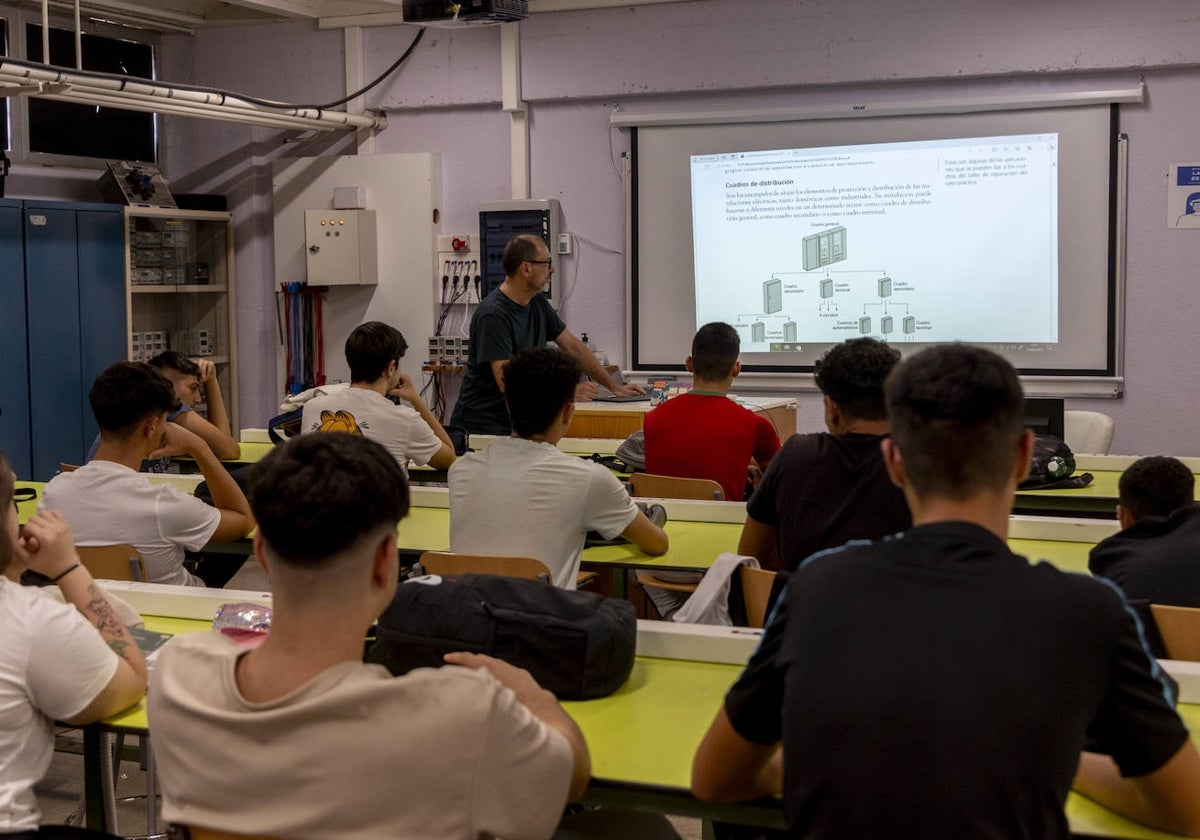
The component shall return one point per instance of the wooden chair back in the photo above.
(197, 833)
(63, 466)
(756, 590)
(448, 563)
(113, 562)
(667, 487)
(1179, 628)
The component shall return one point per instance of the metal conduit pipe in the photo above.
(141, 94)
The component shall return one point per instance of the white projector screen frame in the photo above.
(1079, 354)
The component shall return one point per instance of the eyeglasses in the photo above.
(546, 262)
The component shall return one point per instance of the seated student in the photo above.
(107, 501)
(934, 684)
(1156, 557)
(189, 377)
(72, 662)
(703, 433)
(298, 737)
(824, 489)
(523, 497)
(373, 352)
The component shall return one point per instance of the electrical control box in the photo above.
(772, 296)
(500, 221)
(341, 247)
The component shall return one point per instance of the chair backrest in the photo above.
(113, 562)
(1088, 432)
(756, 590)
(1180, 631)
(197, 833)
(63, 466)
(448, 563)
(666, 487)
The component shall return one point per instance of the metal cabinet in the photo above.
(62, 321)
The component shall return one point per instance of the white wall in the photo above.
(706, 54)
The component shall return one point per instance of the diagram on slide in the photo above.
(924, 240)
(842, 301)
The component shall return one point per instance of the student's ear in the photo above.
(1024, 456)
(687, 363)
(737, 368)
(1124, 516)
(833, 414)
(260, 556)
(385, 573)
(568, 413)
(893, 461)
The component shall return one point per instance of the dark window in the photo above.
(65, 128)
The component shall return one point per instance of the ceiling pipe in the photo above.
(67, 86)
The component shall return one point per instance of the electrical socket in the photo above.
(564, 243)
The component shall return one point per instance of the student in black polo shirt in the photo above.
(934, 684)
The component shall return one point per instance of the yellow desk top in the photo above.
(693, 545)
(670, 703)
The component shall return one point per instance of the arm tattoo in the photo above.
(118, 646)
(102, 614)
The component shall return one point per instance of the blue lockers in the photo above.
(62, 267)
(14, 359)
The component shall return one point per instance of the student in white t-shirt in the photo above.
(522, 496)
(373, 352)
(298, 737)
(73, 662)
(107, 501)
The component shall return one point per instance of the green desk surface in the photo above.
(27, 509)
(693, 545)
(644, 735)
(1067, 556)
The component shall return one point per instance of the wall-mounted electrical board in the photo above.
(500, 221)
(341, 247)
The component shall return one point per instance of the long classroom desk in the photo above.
(642, 739)
(1098, 499)
(698, 532)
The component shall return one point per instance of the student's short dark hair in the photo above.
(1155, 486)
(6, 500)
(176, 361)
(522, 248)
(852, 375)
(956, 413)
(371, 347)
(126, 393)
(715, 349)
(314, 496)
(537, 384)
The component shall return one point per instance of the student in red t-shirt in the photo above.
(703, 434)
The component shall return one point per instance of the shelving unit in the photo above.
(181, 290)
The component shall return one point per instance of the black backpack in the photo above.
(1052, 466)
(578, 645)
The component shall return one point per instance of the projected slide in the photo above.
(938, 240)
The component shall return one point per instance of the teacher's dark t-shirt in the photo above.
(500, 329)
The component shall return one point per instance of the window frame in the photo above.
(16, 20)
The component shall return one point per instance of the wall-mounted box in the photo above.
(341, 247)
